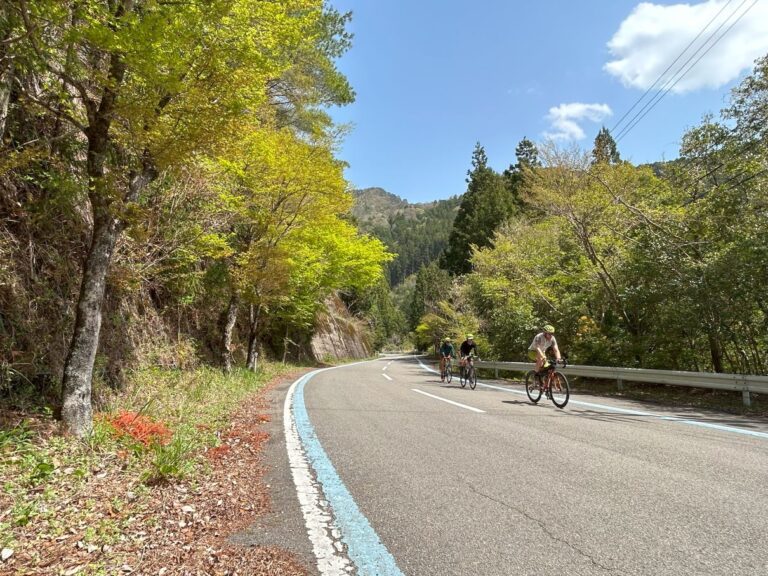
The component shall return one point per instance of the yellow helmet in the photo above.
(470, 337)
(549, 328)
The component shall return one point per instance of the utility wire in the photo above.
(652, 86)
(667, 87)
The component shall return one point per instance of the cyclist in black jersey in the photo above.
(467, 347)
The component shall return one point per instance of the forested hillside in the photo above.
(417, 233)
(168, 189)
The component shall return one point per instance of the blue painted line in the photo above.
(616, 409)
(364, 547)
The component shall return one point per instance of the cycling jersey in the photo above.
(466, 348)
(540, 342)
(447, 350)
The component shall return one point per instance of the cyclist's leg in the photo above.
(536, 357)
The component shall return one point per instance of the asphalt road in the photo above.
(531, 489)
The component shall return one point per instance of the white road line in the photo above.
(317, 516)
(342, 538)
(387, 377)
(449, 401)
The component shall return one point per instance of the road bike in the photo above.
(447, 373)
(467, 372)
(549, 381)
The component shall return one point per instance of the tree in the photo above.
(604, 150)
(527, 155)
(432, 285)
(329, 255)
(271, 184)
(486, 204)
(527, 159)
(749, 104)
(147, 85)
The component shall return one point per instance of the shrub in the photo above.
(140, 428)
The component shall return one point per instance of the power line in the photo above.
(667, 87)
(683, 71)
(652, 86)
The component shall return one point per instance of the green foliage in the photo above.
(214, 152)
(174, 460)
(605, 150)
(376, 305)
(444, 321)
(416, 233)
(484, 207)
(431, 287)
(657, 267)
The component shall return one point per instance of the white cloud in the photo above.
(652, 36)
(566, 117)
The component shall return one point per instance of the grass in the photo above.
(55, 489)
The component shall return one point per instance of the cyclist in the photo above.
(542, 342)
(446, 352)
(467, 347)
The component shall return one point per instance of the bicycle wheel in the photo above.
(532, 387)
(463, 376)
(448, 373)
(559, 390)
(472, 377)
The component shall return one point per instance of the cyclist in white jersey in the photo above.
(542, 342)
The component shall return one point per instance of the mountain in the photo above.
(417, 233)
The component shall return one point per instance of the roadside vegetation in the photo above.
(170, 471)
(654, 266)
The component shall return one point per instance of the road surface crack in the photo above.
(544, 528)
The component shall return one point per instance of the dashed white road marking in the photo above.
(387, 377)
(449, 401)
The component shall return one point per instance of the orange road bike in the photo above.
(549, 381)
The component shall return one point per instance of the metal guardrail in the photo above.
(747, 384)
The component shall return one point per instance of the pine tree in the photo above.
(485, 205)
(527, 157)
(605, 151)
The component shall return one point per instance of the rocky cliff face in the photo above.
(338, 335)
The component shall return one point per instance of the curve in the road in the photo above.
(363, 546)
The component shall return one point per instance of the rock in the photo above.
(6, 553)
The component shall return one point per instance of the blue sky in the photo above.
(434, 77)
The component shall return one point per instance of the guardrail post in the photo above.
(620, 383)
(747, 398)
(497, 373)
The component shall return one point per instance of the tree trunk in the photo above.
(76, 412)
(229, 327)
(716, 352)
(6, 85)
(285, 345)
(253, 329)
(7, 21)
